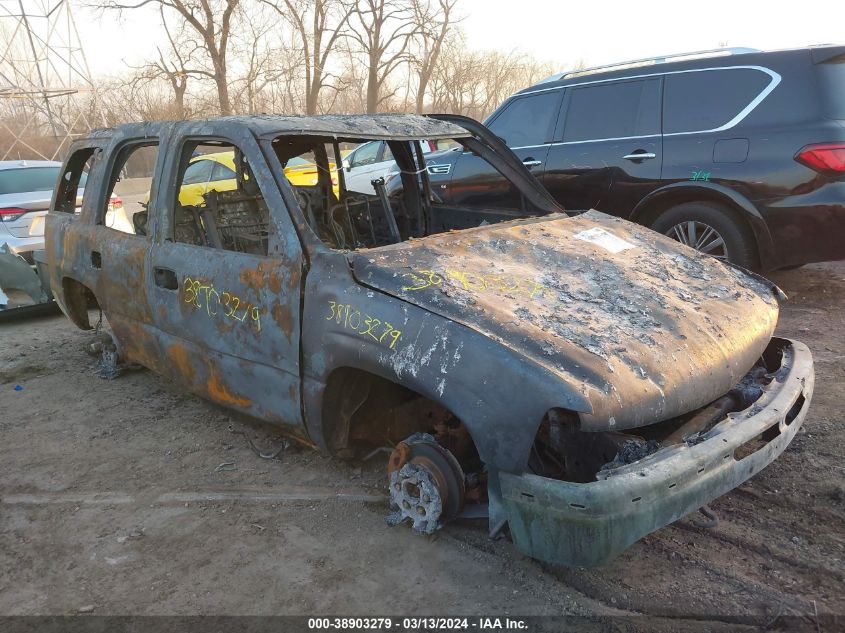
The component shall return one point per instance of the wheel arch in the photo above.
(502, 428)
(650, 207)
(74, 301)
(351, 391)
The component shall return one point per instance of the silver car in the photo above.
(26, 187)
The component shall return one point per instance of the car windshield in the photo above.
(27, 179)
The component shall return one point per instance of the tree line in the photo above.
(222, 57)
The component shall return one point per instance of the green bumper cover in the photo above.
(589, 524)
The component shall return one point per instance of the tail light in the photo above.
(11, 214)
(115, 202)
(825, 158)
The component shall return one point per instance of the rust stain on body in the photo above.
(135, 344)
(263, 276)
(183, 362)
(219, 392)
(284, 319)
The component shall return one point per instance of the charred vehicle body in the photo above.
(582, 380)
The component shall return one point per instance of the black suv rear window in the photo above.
(832, 80)
(697, 101)
(28, 179)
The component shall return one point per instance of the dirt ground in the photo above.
(133, 497)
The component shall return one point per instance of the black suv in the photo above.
(736, 152)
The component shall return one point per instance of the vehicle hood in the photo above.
(645, 328)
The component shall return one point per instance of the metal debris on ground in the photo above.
(108, 366)
(225, 466)
(274, 454)
(712, 518)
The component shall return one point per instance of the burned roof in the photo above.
(400, 127)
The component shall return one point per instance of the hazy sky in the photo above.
(555, 30)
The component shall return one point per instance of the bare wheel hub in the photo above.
(426, 484)
(415, 498)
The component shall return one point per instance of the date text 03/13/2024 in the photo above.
(427, 623)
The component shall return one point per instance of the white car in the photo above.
(373, 160)
(26, 187)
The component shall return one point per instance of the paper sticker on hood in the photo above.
(607, 240)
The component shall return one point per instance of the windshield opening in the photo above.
(362, 194)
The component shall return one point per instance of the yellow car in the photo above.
(216, 172)
(207, 172)
(303, 173)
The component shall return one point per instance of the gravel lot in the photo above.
(115, 498)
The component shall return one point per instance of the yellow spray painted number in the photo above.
(349, 317)
(474, 282)
(222, 305)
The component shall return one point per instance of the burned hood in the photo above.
(642, 326)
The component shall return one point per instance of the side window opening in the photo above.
(125, 206)
(71, 190)
(311, 166)
(218, 201)
(403, 205)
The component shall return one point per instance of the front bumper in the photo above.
(589, 524)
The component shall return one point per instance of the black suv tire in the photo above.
(739, 244)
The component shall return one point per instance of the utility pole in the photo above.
(45, 81)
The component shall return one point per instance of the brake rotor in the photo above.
(426, 484)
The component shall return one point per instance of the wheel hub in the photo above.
(416, 498)
(700, 236)
(427, 484)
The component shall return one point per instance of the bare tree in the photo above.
(382, 29)
(175, 67)
(319, 25)
(212, 21)
(353, 77)
(433, 25)
(475, 82)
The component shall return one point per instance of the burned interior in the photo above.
(403, 207)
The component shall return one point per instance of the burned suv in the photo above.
(582, 380)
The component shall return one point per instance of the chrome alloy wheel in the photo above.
(700, 236)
